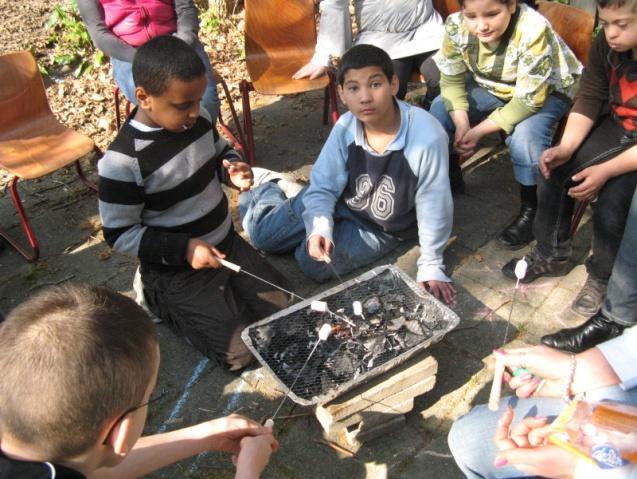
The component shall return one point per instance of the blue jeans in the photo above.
(123, 74)
(274, 224)
(529, 138)
(620, 303)
(471, 436)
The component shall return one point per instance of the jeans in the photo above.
(555, 207)
(620, 303)
(123, 74)
(471, 436)
(274, 224)
(529, 138)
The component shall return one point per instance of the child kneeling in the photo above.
(79, 365)
(380, 179)
(161, 200)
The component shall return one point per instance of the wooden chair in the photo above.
(575, 26)
(33, 143)
(280, 37)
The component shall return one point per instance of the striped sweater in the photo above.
(158, 189)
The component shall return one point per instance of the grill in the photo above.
(399, 320)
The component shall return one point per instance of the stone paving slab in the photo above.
(65, 219)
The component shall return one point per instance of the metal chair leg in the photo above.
(245, 87)
(239, 143)
(334, 105)
(577, 217)
(33, 253)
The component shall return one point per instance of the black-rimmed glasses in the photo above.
(133, 409)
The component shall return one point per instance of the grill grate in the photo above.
(399, 320)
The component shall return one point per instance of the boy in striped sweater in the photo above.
(160, 199)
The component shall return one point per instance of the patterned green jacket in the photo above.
(530, 63)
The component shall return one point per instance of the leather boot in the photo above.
(520, 231)
(585, 336)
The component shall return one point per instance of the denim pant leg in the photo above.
(481, 103)
(471, 436)
(356, 244)
(273, 223)
(620, 303)
(210, 100)
(532, 136)
(555, 207)
(123, 75)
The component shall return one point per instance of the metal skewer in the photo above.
(323, 334)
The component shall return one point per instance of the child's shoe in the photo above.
(538, 266)
(589, 299)
(286, 182)
(519, 232)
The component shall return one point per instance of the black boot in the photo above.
(585, 336)
(520, 231)
(455, 175)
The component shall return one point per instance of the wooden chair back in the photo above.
(574, 25)
(446, 7)
(33, 143)
(280, 37)
(22, 96)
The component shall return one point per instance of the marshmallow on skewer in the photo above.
(496, 386)
(320, 306)
(325, 332)
(269, 423)
(357, 306)
(520, 268)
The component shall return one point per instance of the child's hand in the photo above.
(552, 158)
(461, 120)
(254, 455)
(440, 289)
(524, 447)
(226, 433)
(592, 180)
(201, 255)
(468, 144)
(319, 247)
(240, 174)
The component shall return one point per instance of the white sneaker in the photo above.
(285, 181)
(138, 288)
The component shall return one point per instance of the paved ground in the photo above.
(65, 218)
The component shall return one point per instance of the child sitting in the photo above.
(596, 157)
(161, 200)
(381, 178)
(79, 365)
(503, 68)
(120, 28)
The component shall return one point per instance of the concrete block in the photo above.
(364, 434)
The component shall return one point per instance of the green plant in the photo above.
(73, 46)
(208, 21)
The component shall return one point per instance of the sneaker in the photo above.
(589, 299)
(138, 288)
(538, 266)
(285, 181)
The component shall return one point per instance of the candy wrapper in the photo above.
(604, 433)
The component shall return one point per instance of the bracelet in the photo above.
(566, 394)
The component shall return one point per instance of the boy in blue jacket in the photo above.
(380, 179)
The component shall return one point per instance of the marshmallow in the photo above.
(520, 268)
(269, 423)
(320, 306)
(325, 332)
(358, 308)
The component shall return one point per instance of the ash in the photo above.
(395, 320)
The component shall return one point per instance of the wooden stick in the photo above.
(496, 386)
(335, 446)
